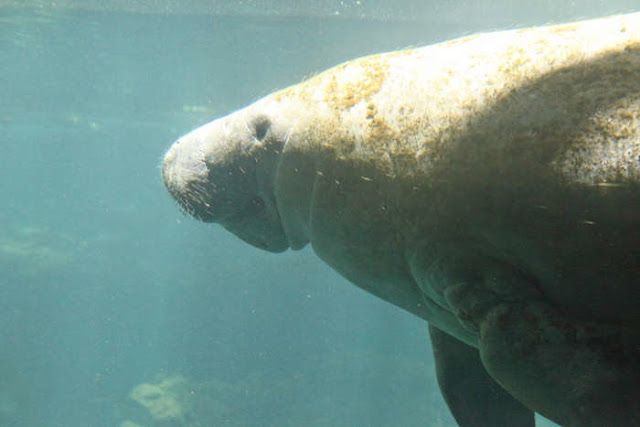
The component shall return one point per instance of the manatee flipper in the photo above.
(473, 397)
(577, 373)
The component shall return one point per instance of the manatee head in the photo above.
(254, 171)
(224, 172)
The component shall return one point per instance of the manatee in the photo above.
(489, 185)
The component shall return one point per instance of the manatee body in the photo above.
(489, 185)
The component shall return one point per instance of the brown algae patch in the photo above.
(351, 83)
(564, 28)
(380, 134)
(342, 86)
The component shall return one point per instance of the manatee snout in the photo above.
(209, 171)
(223, 172)
(186, 176)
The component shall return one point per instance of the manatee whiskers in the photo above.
(193, 200)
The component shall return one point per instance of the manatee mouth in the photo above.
(191, 201)
(200, 191)
(226, 194)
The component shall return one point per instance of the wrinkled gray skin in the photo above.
(489, 185)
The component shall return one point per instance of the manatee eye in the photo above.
(262, 126)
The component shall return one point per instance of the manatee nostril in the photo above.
(262, 126)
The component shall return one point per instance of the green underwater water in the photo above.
(105, 286)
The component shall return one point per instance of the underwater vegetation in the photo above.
(318, 394)
(166, 400)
